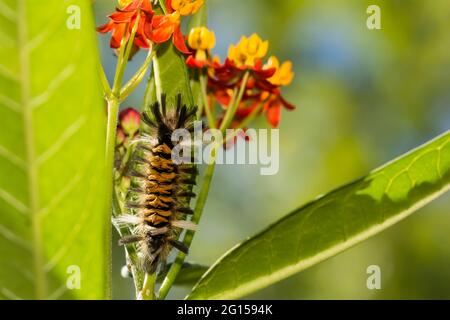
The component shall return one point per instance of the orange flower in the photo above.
(123, 20)
(167, 26)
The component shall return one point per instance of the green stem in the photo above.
(148, 289)
(113, 110)
(245, 122)
(231, 111)
(162, 4)
(138, 76)
(113, 101)
(104, 81)
(205, 104)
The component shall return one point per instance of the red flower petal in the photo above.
(161, 35)
(141, 42)
(147, 29)
(179, 41)
(122, 17)
(223, 98)
(119, 32)
(146, 6)
(162, 29)
(169, 6)
(191, 62)
(274, 115)
(106, 27)
(286, 104)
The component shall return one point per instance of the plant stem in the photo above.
(113, 109)
(228, 119)
(206, 106)
(104, 81)
(113, 101)
(138, 76)
(162, 4)
(245, 122)
(148, 289)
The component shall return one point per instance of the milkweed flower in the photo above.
(283, 75)
(169, 25)
(202, 41)
(151, 28)
(262, 92)
(185, 7)
(248, 51)
(122, 21)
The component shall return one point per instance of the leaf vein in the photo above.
(9, 294)
(67, 134)
(11, 157)
(10, 104)
(52, 87)
(14, 202)
(7, 12)
(14, 238)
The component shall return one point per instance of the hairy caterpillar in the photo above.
(161, 190)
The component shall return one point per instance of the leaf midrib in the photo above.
(31, 169)
(261, 282)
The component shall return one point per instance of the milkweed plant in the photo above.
(231, 95)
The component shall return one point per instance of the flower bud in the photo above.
(130, 121)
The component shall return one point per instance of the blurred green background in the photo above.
(364, 97)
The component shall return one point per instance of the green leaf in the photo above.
(53, 218)
(171, 75)
(332, 223)
(189, 274)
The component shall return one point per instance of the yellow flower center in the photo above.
(187, 7)
(202, 40)
(248, 51)
(283, 75)
(124, 3)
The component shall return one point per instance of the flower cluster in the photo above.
(151, 28)
(262, 89)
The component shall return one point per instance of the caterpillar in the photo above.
(161, 190)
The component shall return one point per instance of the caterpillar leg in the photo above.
(130, 239)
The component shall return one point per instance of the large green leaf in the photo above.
(331, 224)
(52, 221)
